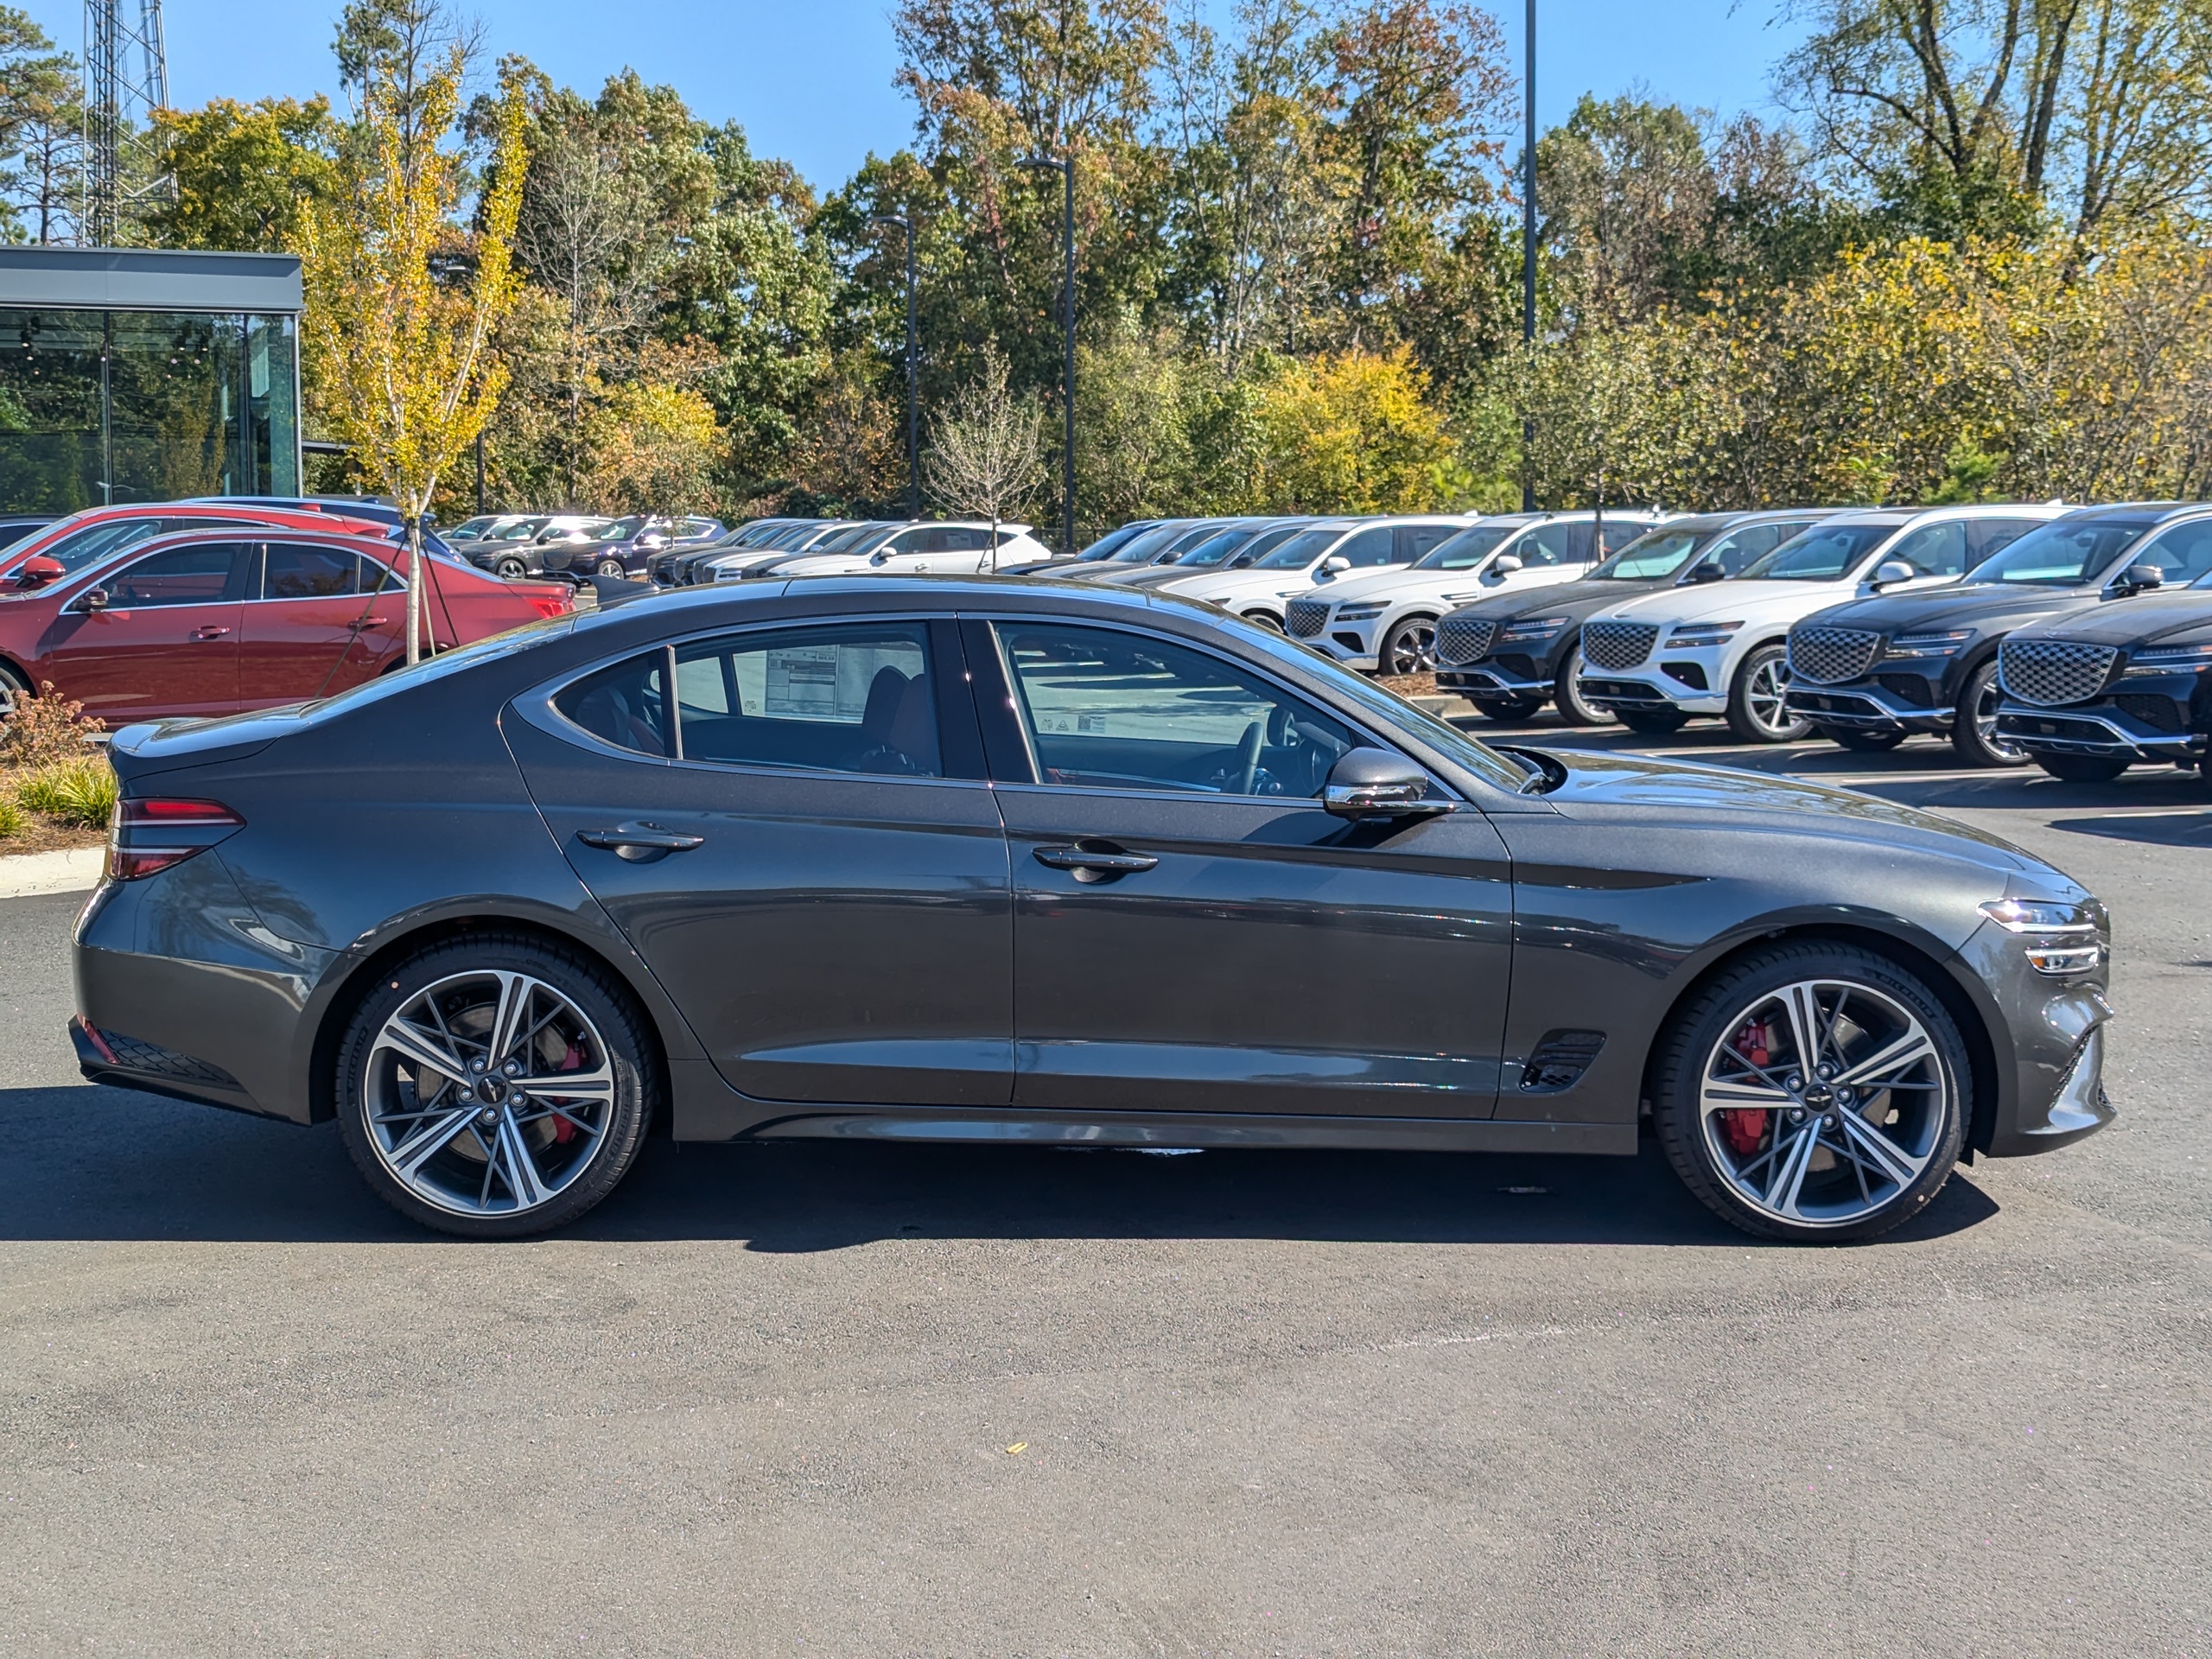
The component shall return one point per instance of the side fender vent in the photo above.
(1560, 1061)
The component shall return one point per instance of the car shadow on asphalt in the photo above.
(96, 1163)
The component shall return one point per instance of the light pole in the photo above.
(1528, 245)
(913, 430)
(1066, 169)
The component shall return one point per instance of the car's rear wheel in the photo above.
(1409, 648)
(2081, 768)
(1973, 730)
(613, 568)
(1654, 723)
(1756, 711)
(1506, 713)
(1863, 742)
(1813, 1093)
(12, 686)
(511, 569)
(495, 1087)
(1567, 697)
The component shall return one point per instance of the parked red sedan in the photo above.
(213, 620)
(94, 533)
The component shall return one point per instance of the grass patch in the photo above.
(80, 793)
(13, 820)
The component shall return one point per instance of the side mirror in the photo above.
(1891, 572)
(1335, 564)
(1377, 784)
(881, 556)
(92, 599)
(2135, 579)
(1707, 571)
(37, 571)
(1506, 564)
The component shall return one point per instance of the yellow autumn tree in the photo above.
(1352, 432)
(401, 301)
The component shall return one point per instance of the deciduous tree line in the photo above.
(1970, 261)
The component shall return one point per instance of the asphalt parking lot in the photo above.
(894, 1400)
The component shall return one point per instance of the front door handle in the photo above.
(639, 843)
(209, 632)
(1095, 861)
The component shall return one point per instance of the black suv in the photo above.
(2092, 693)
(1512, 652)
(1870, 673)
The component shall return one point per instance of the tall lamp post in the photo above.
(1066, 169)
(913, 431)
(1528, 245)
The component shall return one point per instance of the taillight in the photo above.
(146, 835)
(550, 606)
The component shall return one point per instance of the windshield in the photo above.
(469, 529)
(2061, 555)
(1139, 550)
(1820, 555)
(1653, 557)
(517, 530)
(1466, 550)
(1302, 549)
(1264, 542)
(617, 530)
(1217, 547)
(1104, 546)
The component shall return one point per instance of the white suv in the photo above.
(1259, 592)
(1386, 623)
(1718, 648)
(960, 548)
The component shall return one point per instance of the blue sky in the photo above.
(810, 79)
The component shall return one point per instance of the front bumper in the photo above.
(1495, 680)
(1865, 705)
(2105, 728)
(1653, 686)
(2048, 1036)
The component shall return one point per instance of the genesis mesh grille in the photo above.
(1831, 656)
(1462, 639)
(1305, 618)
(1615, 646)
(2053, 671)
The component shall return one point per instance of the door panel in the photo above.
(1256, 954)
(832, 937)
(313, 623)
(166, 644)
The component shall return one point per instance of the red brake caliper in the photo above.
(1744, 1127)
(564, 1130)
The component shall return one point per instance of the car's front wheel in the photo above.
(1654, 723)
(1756, 710)
(613, 568)
(1863, 742)
(1974, 729)
(1409, 648)
(1567, 697)
(2081, 768)
(1262, 620)
(1814, 1092)
(495, 1087)
(511, 569)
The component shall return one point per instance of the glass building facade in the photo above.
(146, 401)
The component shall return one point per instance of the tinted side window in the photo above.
(1616, 534)
(1107, 709)
(857, 699)
(184, 575)
(624, 705)
(1549, 545)
(2184, 553)
(1986, 535)
(1368, 547)
(1933, 550)
(299, 570)
(963, 538)
(1415, 541)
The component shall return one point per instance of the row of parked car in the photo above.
(570, 547)
(1997, 627)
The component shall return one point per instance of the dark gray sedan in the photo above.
(1018, 861)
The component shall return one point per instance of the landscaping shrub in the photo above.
(45, 728)
(80, 791)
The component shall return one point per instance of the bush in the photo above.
(45, 728)
(11, 819)
(80, 791)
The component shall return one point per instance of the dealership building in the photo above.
(131, 374)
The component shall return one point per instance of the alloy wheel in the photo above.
(1411, 648)
(488, 1093)
(1984, 714)
(1758, 711)
(1824, 1103)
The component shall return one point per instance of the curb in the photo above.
(75, 869)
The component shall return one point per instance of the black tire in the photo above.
(1936, 1129)
(1408, 648)
(1508, 714)
(509, 569)
(1863, 742)
(12, 685)
(1755, 710)
(1262, 620)
(1568, 700)
(1974, 734)
(620, 1029)
(1653, 723)
(2081, 768)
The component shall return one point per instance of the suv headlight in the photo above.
(1365, 612)
(2061, 938)
(1703, 633)
(1533, 631)
(2167, 659)
(1929, 645)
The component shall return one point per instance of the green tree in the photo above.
(244, 172)
(41, 125)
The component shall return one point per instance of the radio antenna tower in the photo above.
(126, 80)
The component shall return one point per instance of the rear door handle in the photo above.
(209, 632)
(639, 843)
(1098, 862)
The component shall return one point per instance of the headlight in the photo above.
(1532, 631)
(1703, 633)
(2167, 659)
(1930, 645)
(2061, 938)
(1360, 612)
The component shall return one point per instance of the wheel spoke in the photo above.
(1869, 1147)
(1803, 1004)
(1789, 1179)
(414, 1045)
(506, 1020)
(597, 1084)
(1874, 1071)
(426, 1142)
(1724, 1094)
(517, 1168)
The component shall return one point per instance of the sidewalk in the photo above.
(75, 869)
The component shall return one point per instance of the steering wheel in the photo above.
(1247, 769)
